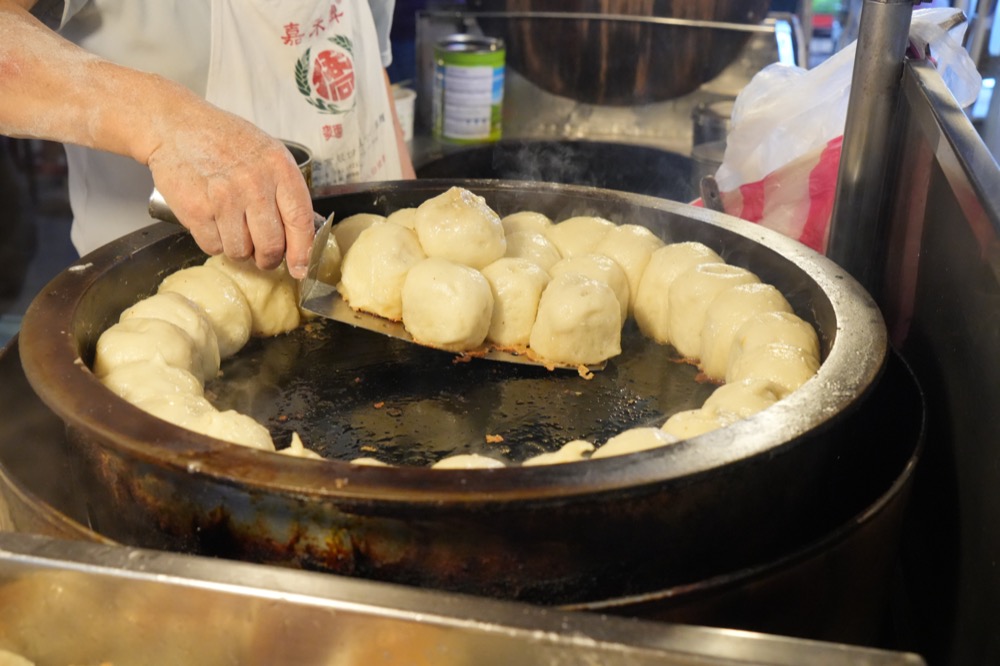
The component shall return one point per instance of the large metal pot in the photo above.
(595, 530)
(614, 51)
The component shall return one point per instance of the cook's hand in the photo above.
(236, 188)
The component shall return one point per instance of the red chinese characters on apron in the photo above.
(307, 71)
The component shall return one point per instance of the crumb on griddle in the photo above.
(494, 439)
(379, 405)
(584, 372)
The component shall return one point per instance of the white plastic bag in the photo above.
(783, 149)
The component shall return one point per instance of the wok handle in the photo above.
(159, 210)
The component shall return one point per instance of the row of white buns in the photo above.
(458, 276)
(561, 287)
(164, 348)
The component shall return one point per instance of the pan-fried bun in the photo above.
(631, 245)
(526, 220)
(534, 247)
(691, 294)
(220, 298)
(347, 230)
(579, 235)
(693, 422)
(182, 410)
(404, 217)
(272, 295)
(785, 366)
(770, 327)
(231, 426)
(578, 321)
(601, 268)
(144, 339)
(146, 379)
(190, 318)
(569, 452)
(651, 305)
(374, 269)
(743, 398)
(468, 461)
(446, 305)
(730, 309)
(517, 286)
(633, 440)
(457, 225)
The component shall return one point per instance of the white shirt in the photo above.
(204, 45)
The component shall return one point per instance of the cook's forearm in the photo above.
(52, 89)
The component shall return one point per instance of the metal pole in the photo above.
(857, 228)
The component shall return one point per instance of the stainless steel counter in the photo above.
(70, 602)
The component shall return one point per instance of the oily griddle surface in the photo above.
(350, 392)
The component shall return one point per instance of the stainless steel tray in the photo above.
(69, 602)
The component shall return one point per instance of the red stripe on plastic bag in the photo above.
(753, 201)
(822, 191)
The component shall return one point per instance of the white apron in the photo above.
(295, 68)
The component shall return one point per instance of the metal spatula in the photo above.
(320, 297)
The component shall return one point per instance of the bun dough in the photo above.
(631, 246)
(231, 426)
(220, 298)
(633, 440)
(601, 268)
(693, 422)
(147, 379)
(468, 461)
(376, 266)
(579, 235)
(784, 366)
(273, 296)
(690, 295)
(446, 305)
(140, 339)
(187, 316)
(526, 221)
(650, 307)
(347, 230)
(517, 286)
(534, 247)
(742, 399)
(569, 452)
(578, 321)
(458, 226)
(726, 314)
(769, 327)
(404, 217)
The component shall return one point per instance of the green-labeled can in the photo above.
(468, 89)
